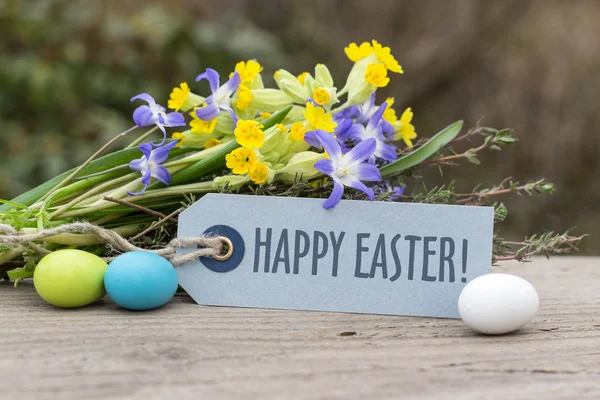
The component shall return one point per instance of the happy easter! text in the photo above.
(380, 256)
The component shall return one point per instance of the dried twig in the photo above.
(137, 207)
(157, 224)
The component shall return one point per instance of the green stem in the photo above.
(97, 189)
(19, 273)
(172, 191)
(117, 168)
(340, 108)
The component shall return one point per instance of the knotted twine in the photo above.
(208, 246)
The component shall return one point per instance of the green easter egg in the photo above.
(70, 278)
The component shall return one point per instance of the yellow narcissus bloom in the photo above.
(180, 137)
(297, 131)
(241, 160)
(244, 98)
(321, 96)
(259, 174)
(407, 129)
(390, 114)
(318, 119)
(248, 70)
(178, 96)
(211, 143)
(356, 53)
(376, 74)
(302, 77)
(249, 133)
(201, 126)
(384, 54)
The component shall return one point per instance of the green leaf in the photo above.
(216, 162)
(101, 164)
(434, 144)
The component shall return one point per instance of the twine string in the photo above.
(209, 246)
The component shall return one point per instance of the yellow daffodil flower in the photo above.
(259, 174)
(180, 136)
(248, 70)
(384, 54)
(244, 98)
(178, 96)
(376, 74)
(241, 160)
(249, 133)
(200, 126)
(302, 77)
(318, 119)
(356, 53)
(297, 131)
(321, 96)
(390, 114)
(407, 129)
(211, 143)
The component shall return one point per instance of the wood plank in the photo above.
(191, 351)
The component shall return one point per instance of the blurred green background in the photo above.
(69, 68)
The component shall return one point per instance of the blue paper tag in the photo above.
(364, 257)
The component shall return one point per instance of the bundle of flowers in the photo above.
(304, 138)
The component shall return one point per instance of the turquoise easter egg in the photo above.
(70, 278)
(140, 280)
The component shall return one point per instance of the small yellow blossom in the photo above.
(321, 96)
(318, 118)
(297, 131)
(376, 74)
(249, 133)
(180, 136)
(241, 160)
(200, 126)
(211, 143)
(248, 70)
(356, 53)
(178, 96)
(259, 174)
(244, 98)
(390, 114)
(265, 115)
(302, 77)
(407, 129)
(281, 127)
(385, 56)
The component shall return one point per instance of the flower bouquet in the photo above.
(305, 138)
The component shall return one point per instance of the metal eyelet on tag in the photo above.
(233, 251)
(229, 246)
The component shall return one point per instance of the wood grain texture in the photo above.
(188, 351)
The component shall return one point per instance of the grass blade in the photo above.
(434, 144)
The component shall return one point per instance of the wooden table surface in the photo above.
(188, 351)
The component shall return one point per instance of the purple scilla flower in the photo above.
(150, 164)
(364, 112)
(154, 114)
(347, 169)
(344, 130)
(395, 191)
(220, 99)
(376, 129)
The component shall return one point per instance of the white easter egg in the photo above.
(498, 303)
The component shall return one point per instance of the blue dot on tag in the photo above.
(238, 249)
